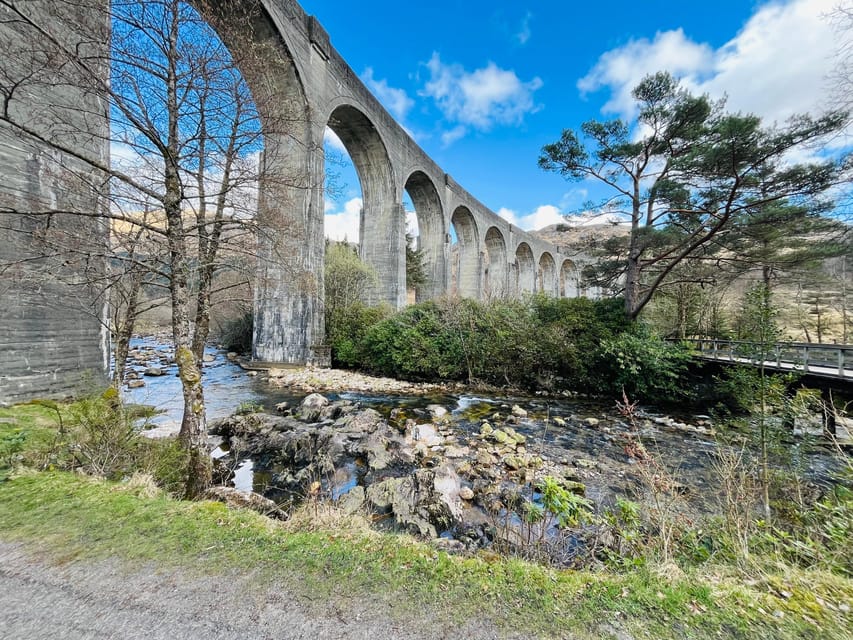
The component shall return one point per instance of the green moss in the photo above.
(190, 373)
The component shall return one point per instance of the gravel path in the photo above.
(86, 600)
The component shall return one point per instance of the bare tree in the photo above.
(186, 140)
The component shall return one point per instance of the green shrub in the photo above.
(582, 344)
(236, 333)
(644, 366)
(346, 328)
(414, 344)
(96, 434)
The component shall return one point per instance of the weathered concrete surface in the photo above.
(53, 311)
(301, 86)
(389, 164)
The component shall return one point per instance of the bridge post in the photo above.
(383, 247)
(289, 319)
(54, 315)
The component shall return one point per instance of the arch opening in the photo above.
(496, 272)
(466, 255)
(569, 280)
(430, 235)
(381, 238)
(525, 266)
(288, 296)
(547, 274)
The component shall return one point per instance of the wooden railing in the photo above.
(828, 360)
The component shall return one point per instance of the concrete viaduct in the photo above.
(301, 86)
(494, 258)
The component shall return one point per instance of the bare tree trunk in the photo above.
(124, 329)
(193, 434)
(633, 269)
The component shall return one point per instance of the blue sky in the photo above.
(483, 85)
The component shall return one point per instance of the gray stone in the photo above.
(282, 407)
(500, 436)
(352, 501)
(437, 411)
(312, 406)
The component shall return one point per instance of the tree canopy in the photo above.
(686, 172)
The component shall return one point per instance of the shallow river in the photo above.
(591, 435)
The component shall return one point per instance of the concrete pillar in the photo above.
(54, 339)
(289, 318)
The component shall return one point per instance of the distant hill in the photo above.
(582, 233)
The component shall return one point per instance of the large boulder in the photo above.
(427, 501)
(312, 407)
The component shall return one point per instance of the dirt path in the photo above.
(84, 600)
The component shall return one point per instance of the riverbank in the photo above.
(311, 580)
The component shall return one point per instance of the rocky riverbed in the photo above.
(457, 471)
(441, 461)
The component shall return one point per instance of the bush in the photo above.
(577, 343)
(415, 344)
(97, 435)
(644, 366)
(236, 334)
(346, 329)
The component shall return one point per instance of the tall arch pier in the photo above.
(301, 86)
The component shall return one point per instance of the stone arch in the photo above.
(382, 227)
(525, 269)
(569, 280)
(547, 274)
(466, 282)
(288, 314)
(431, 234)
(496, 277)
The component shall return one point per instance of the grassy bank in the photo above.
(75, 518)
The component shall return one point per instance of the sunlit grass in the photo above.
(73, 517)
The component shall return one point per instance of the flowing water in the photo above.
(591, 435)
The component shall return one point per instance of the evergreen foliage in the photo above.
(540, 342)
(695, 179)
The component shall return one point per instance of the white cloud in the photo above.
(412, 227)
(449, 137)
(482, 98)
(621, 69)
(343, 225)
(774, 67)
(331, 139)
(396, 101)
(524, 33)
(543, 216)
